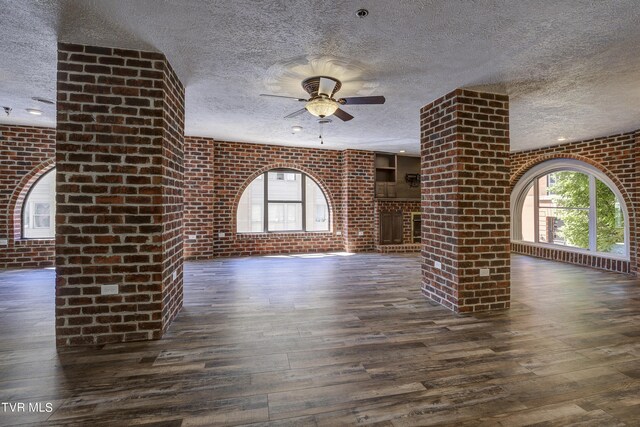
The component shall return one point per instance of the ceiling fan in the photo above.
(322, 103)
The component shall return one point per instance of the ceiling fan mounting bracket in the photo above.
(312, 84)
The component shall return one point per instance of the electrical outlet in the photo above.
(338, 233)
(484, 272)
(109, 289)
(175, 275)
(4, 242)
(221, 234)
(360, 233)
(192, 237)
(437, 265)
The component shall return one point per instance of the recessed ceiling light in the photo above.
(34, 111)
(403, 151)
(562, 138)
(296, 129)
(43, 100)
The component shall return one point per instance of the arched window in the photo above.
(283, 200)
(570, 203)
(39, 208)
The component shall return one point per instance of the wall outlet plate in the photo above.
(192, 237)
(108, 289)
(437, 264)
(221, 234)
(338, 233)
(484, 272)
(4, 242)
(175, 275)
(360, 233)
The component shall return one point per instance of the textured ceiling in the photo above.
(572, 68)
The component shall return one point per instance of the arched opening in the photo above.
(568, 204)
(283, 200)
(39, 208)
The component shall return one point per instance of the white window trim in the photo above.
(530, 177)
(304, 176)
(39, 232)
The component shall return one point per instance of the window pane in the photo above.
(564, 189)
(528, 217)
(38, 214)
(564, 226)
(285, 186)
(285, 216)
(563, 217)
(609, 221)
(42, 208)
(317, 210)
(250, 216)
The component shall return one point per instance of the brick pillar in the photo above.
(199, 198)
(465, 201)
(358, 200)
(119, 158)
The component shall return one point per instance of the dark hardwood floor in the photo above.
(338, 340)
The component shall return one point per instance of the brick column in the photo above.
(358, 200)
(199, 198)
(465, 201)
(119, 158)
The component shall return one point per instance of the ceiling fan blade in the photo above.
(362, 100)
(326, 86)
(280, 96)
(295, 113)
(343, 115)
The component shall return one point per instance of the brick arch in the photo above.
(515, 177)
(305, 170)
(20, 194)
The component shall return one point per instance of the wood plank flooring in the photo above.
(338, 340)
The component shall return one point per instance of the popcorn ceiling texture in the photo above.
(569, 67)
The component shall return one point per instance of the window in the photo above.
(281, 201)
(571, 204)
(39, 209)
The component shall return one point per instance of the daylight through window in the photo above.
(574, 209)
(283, 200)
(39, 209)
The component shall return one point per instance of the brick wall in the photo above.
(235, 166)
(26, 154)
(465, 201)
(407, 208)
(172, 193)
(358, 200)
(617, 157)
(119, 170)
(199, 198)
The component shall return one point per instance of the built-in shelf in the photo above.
(396, 177)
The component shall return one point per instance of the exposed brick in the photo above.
(465, 201)
(617, 157)
(108, 192)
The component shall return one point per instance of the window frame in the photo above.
(530, 179)
(303, 202)
(52, 207)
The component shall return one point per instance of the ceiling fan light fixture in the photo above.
(322, 107)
